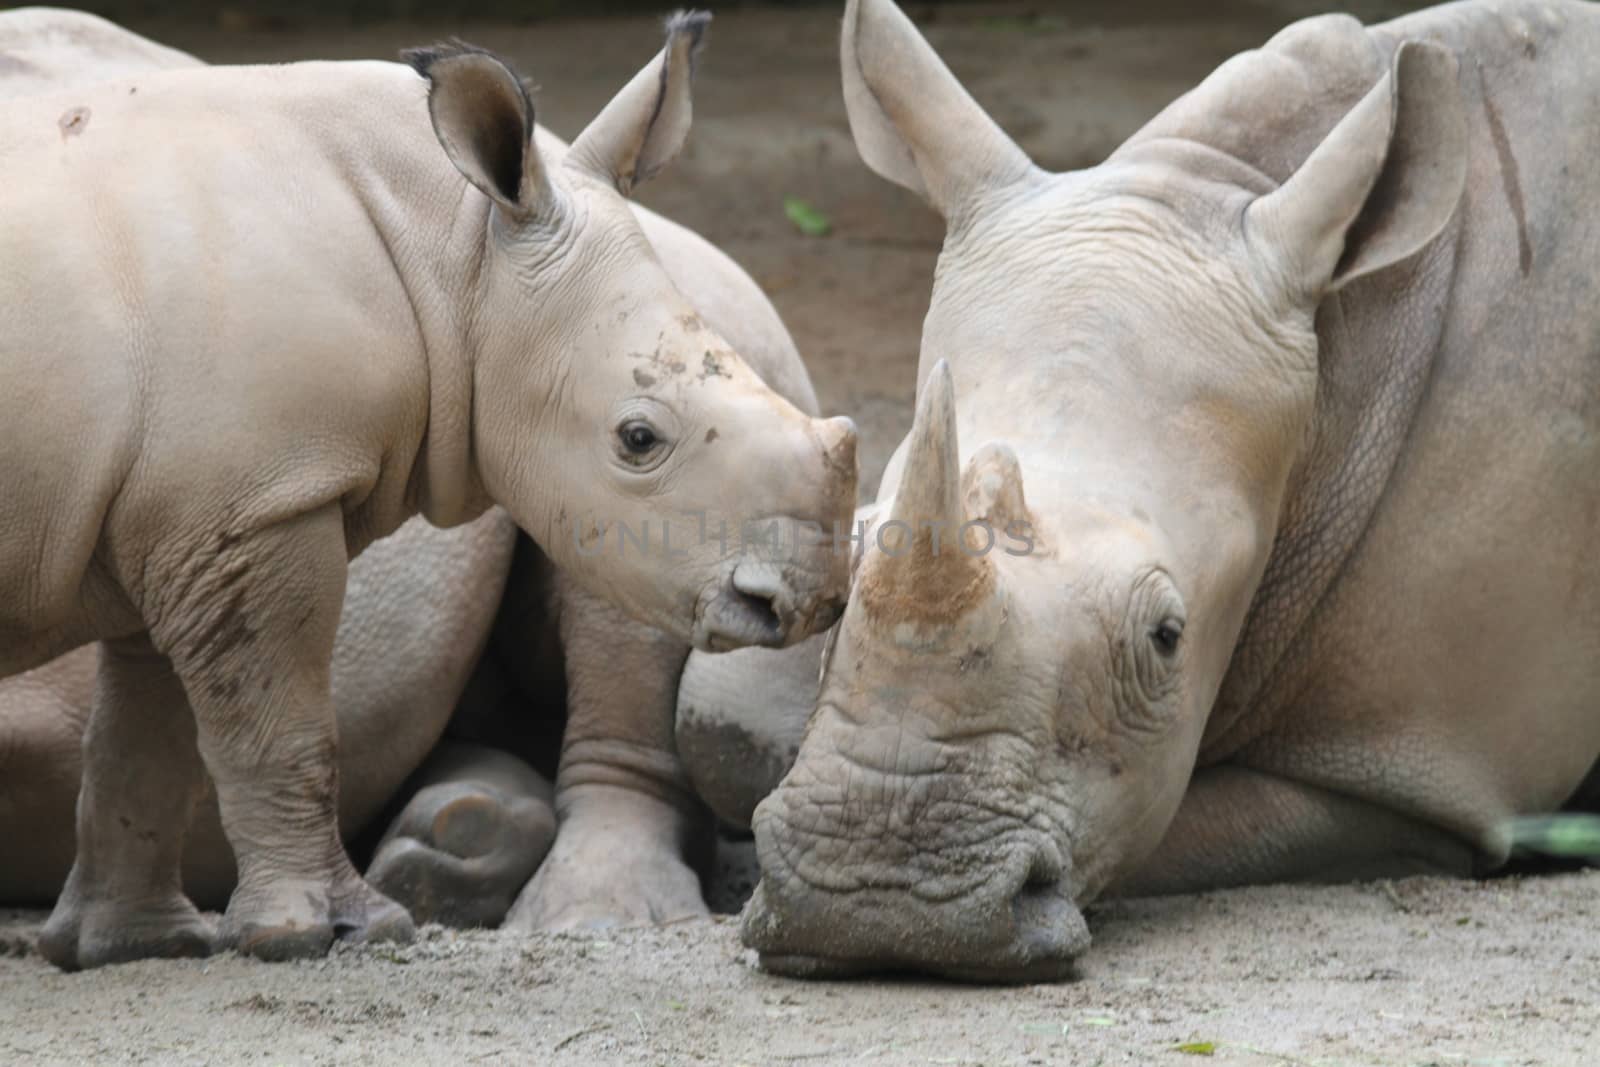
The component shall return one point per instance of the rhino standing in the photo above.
(278, 347)
(1297, 393)
(434, 617)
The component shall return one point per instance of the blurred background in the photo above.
(770, 172)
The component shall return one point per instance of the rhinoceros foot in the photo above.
(288, 919)
(85, 932)
(461, 851)
(618, 862)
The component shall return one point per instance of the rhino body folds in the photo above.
(1298, 388)
(424, 629)
(413, 347)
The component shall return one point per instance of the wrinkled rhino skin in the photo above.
(1296, 393)
(482, 820)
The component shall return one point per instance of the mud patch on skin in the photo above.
(664, 364)
(229, 632)
(733, 770)
(712, 435)
(924, 586)
(230, 629)
(73, 122)
(711, 367)
(642, 379)
(588, 536)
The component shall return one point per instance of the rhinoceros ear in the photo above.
(1380, 186)
(913, 122)
(644, 126)
(484, 119)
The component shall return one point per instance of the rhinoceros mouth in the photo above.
(759, 605)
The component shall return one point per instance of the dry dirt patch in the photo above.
(1422, 971)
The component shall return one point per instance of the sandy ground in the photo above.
(1417, 972)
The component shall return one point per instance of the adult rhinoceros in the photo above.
(1299, 395)
(271, 361)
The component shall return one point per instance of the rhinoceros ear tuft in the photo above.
(483, 118)
(1380, 186)
(912, 120)
(643, 127)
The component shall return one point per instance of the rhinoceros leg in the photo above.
(258, 676)
(123, 899)
(469, 838)
(418, 610)
(740, 719)
(43, 714)
(1238, 826)
(632, 833)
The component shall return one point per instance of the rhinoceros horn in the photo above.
(928, 574)
(992, 488)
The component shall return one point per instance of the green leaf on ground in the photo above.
(807, 219)
(1196, 1048)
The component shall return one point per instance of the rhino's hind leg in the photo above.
(632, 834)
(469, 839)
(142, 777)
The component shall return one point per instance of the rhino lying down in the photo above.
(1298, 394)
(187, 498)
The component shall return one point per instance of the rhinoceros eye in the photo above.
(638, 438)
(1166, 635)
(644, 434)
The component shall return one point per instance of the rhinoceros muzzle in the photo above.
(760, 604)
(1019, 924)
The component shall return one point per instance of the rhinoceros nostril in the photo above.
(1044, 867)
(1047, 923)
(760, 608)
(760, 589)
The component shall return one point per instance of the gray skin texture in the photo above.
(1306, 369)
(185, 611)
(425, 631)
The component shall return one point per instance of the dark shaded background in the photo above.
(290, 14)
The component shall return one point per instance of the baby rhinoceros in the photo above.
(253, 319)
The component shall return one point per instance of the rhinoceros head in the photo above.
(627, 437)
(1002, 734)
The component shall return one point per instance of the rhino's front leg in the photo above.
(1238, 826)
(141, 780)
(632, 834)
(469, 838)
(251, 636)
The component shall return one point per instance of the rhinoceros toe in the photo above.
(296, 919)
(615, 863)
(83, 934)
